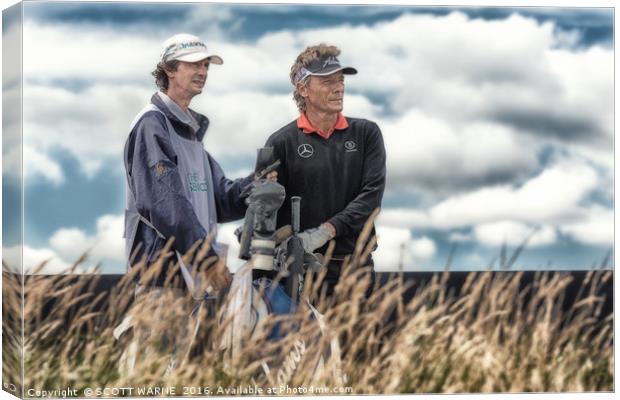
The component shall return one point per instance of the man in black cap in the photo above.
(335, 163)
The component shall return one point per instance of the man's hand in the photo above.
(272, 176)
(218, 276)
(314, 238)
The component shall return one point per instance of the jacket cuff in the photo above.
(338, 225)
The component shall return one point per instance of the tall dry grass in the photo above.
(493, 336)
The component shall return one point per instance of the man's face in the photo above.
(189, 78)
(324, 93)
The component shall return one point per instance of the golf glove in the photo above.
(314, 238)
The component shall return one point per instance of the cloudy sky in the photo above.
(498, 122)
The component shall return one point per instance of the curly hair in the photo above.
(159, 73)
(303, 59)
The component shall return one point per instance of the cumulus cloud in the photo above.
(33, 259)
(70, 242)
(596, 229)
(552, 196)
(106, 244)
(427, 152)
(397, 247)
(459, 74)
(67, 245)
(30, 164)
(109, 242)
(451, 125)
(514, 233)
(457, 85)
(69, 53)
(423, 248)
(220, 17)
(40, 164)
(91, 125)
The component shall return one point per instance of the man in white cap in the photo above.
(176, 189)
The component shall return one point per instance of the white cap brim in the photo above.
(195, 57)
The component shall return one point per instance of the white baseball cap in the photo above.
(188, 48)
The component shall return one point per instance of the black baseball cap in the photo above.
(323, 66)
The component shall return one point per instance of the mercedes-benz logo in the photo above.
(305, 150)
(349, 145)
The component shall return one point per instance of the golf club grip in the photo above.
(295, 210)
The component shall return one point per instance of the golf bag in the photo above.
(270, 283)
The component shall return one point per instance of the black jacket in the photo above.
(340, 179)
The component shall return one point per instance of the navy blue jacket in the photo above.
(159, 196)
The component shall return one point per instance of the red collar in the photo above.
(304, 123)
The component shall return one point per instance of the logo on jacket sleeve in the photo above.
(305, 150)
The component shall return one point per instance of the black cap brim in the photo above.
(334, 69)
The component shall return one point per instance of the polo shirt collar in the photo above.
(305, 125)
(178, 112)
